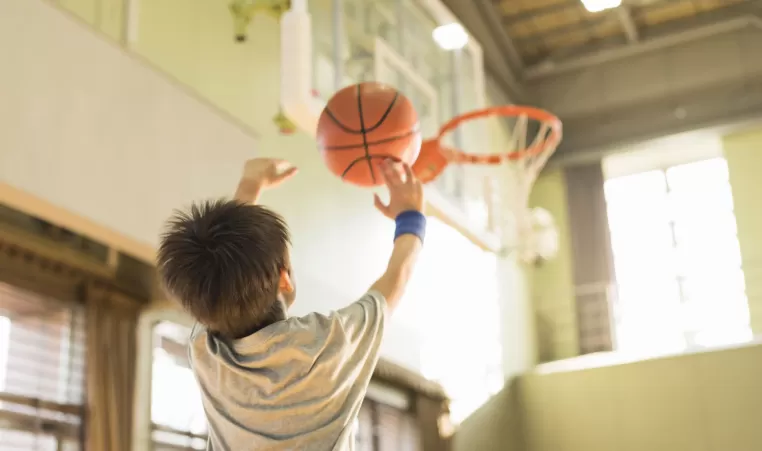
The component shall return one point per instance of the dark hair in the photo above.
(222, 260)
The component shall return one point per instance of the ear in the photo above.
(285, 285)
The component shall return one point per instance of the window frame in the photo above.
(143, 426)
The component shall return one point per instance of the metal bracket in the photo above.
(245, 10)
(284, 124)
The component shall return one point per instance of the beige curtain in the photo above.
(111, 356)
(429, 412)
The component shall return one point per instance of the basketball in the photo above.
(364, 124)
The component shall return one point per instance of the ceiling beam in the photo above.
(511, 20)
(654, 37)
(491, 18)
(589, 137)
(558, 32)
(551, 68)
(629, 26)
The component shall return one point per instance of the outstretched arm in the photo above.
(259, 174)
(405, 207)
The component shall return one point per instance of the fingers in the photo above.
(409, 176)
(277, 179)
(392, 172)
(288, 173)
(384, 165)
(380, 206)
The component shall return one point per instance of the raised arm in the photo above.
(406, 208)
(260, 174)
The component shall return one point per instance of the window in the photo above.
(454, 293)
(5, 334)
(380, 427)
(677, 259)
(42, 353)
(177, 414)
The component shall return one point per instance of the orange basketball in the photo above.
(364, 124)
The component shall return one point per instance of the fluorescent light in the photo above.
(450, 37)
(596, 6)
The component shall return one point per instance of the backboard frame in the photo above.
(301, 104)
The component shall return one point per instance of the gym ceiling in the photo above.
(647, 69)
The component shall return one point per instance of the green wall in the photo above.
(743, 151)
(708, 401)
(552, 284)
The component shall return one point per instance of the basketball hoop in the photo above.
(527, 157)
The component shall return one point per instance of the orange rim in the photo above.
(553, 123)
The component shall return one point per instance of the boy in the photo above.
(270, 382)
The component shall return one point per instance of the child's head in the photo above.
(228, 264)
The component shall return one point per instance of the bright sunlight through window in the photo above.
(5, 332)
(677, 259)
(455, 297)
(176, 406)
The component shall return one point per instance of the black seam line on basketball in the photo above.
(378, 124)
(373, 143)
(386, 113)
(369, 158)
(339, 124)
(364, 136)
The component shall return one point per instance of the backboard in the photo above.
(334, 43)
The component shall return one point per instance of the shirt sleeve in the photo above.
(363, 322)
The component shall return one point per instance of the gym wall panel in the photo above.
(743, 152)
(709, 401)
(552, 284)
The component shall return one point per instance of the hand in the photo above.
(405, 190)
(261, 173)
(267, 172)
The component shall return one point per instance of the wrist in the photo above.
(248, 191)
(410, 222)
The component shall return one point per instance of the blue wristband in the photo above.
(410, 222)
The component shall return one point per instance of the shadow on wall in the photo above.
(496, 426)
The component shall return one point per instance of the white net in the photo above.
(531, 231)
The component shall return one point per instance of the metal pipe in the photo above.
(549, 68)
(130, 23)
(628, 24)
(399, 17)
(338, 44)
(456, 65)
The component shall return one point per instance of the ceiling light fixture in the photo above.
(596, 6)
(450, 37)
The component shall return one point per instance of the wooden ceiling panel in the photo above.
(659, 14)
(572, 39)
(521, 30)
(513, 7)
(547, 22)
(540, 28)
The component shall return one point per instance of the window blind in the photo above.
(42, 367)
